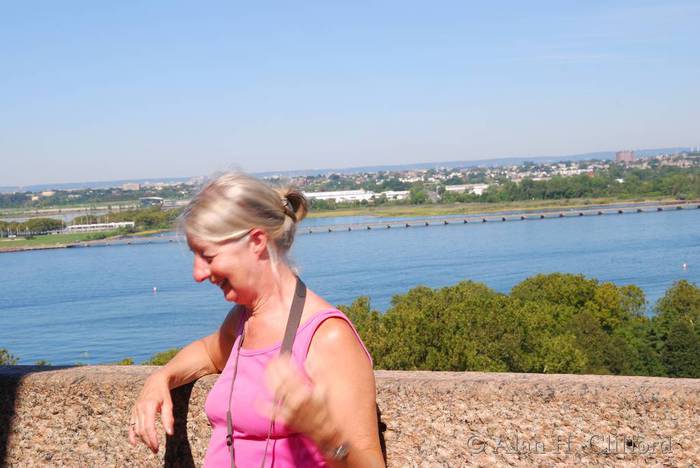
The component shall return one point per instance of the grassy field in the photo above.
(470, 208)
(59, 240)
(50, 240)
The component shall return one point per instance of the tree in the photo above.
(37, 225)
(418, 196)
(558, 288)
(562, 356)
(85, 219)
(681, 351)
(368, 324)
(682, 300)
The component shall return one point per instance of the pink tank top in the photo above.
(286, 448)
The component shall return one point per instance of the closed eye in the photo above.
(206, 258)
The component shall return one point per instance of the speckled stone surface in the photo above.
(78, 417)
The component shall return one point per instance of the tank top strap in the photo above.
(243, 316)
(306, 332)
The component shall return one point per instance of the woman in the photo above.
(315, 407)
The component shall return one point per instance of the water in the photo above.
(97, 305)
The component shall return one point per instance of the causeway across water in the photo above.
(441, 221)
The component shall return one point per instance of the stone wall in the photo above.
(78, 417)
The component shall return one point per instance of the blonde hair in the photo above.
(232, 204)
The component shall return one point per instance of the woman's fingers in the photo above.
(283, 377)
(150, 428)
(154, 398)
(132, 435)
(166, 415)
(145, 425)
(269, 410)
(298, 404)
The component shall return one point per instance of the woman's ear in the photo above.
(258, 241)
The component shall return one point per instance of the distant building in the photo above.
(151, 201)
(48, 193)
(624, 156)
(476, 189)
(131, 186)
(396, 194)
(99, 227)
(356, 195)
(341, 195)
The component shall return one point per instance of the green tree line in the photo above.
(33, 226)
(113, 196)
(555, 323)
(144, 219)
(617, 182)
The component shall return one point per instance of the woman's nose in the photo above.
(200, 269)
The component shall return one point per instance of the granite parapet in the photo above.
(78, 416)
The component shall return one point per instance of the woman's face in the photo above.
(228, 265)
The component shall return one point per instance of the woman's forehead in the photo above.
(197, 244)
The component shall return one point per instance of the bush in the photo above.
(162, 358)
(7, 359)
(124, 362)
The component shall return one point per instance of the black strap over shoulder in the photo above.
(294, 318)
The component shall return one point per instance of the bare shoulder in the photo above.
(336, 349)
(233, 319)
(219, 344)
(334, 333)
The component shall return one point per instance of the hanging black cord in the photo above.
(229, 421)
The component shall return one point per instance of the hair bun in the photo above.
(295, 204)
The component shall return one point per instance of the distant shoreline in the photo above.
(68, 245)
(479, 208)
(398, 211)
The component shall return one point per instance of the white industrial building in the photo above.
(476, 189)
(98, 227)
(356, 195)
(341, 195)
(396, 194)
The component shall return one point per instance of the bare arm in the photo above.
(205, 356)
(337, 361)
(202, 357)
(341, 407)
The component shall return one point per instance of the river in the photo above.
(98, 305)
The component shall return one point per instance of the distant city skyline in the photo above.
(495, 162)
(94, 91)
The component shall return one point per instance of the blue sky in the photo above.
(112, 90)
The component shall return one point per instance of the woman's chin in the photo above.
(230, 295)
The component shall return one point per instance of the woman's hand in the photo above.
(300, 406)
(154, 398)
